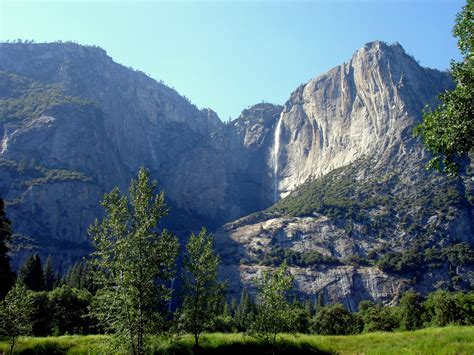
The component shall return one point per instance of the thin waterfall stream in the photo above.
(276, 152)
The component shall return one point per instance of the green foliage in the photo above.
(277, 255)
(336, 320)
(274, 311)
(447, 131)
(201, 287)
(377, 318)
(435, 341)
(443, 308)
(29, 173)
(48, 275)
(134, 263)
(419, 258)
(411, 311)
(22, 98)
(31, 273)
(58, 175)
(79, 276)
(7, 276)
(41, 315)
(15, 312)
(244, 314)
(69, 307)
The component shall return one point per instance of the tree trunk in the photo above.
(13, 345)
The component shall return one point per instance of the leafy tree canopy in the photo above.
(448, 131)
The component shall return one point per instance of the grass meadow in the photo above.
(447, 340)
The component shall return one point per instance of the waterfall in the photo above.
(171, 297)
(4, 143)
(276, 151)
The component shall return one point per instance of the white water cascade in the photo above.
(4, 145)
(276, 152)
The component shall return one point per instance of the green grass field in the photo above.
(449, 340)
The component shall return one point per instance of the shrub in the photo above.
(336, 320)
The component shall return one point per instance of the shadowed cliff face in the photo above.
(338, 157)
(70, 108)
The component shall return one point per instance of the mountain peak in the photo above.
(379, 49)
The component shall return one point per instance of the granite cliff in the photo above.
(361, 218)
(332, 181)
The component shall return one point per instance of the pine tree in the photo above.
(245, 312)
(411, 311)
(7, 276)
(31, 273)
(48, 275)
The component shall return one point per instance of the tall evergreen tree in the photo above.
(7, 276)
(245, 312)
(48, 275)
(31, 273)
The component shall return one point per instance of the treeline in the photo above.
(59, 306)
(125, 288)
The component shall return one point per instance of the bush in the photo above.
(69, 309)
(378, 318)
(443, 308)
(411, 311)
(336, 320)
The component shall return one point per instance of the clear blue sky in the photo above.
(229, 55)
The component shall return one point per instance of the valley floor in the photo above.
(448, 340)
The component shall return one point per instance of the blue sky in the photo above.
(228, 55)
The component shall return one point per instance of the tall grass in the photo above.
(448, 340)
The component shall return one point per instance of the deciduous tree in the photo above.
(274, 310)
(202, 289)
(448, 131)
(134, 262)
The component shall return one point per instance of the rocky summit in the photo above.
(332, 182)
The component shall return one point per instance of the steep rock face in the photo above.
(250, 140)
(68, 113)
(147, 123)
(362, 218)
(366, 105)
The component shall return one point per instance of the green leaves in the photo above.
(15, 313)
(134, 262)
(274, 311)
(448, 131)
(202, 289)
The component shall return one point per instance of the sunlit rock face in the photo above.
(364, 106)
(356, 189)
(338, 158)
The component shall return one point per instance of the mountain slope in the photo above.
(72, 108)
(362, 219)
